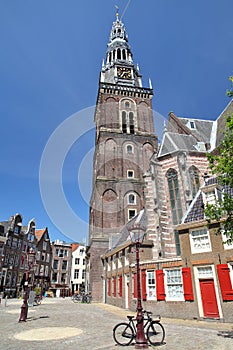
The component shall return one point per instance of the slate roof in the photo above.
(174, 142)
(202, 130)
(196, 210)
(124, 235)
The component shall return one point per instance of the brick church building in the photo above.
(135, 180)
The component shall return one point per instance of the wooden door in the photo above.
(209, 301)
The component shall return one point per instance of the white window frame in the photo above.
(132, 148)
(225, 245)
(134, 202)
(170, 288)
(150, 287)
(194, 248)
(129, 217)
(128, 173)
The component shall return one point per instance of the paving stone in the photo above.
(61, 324)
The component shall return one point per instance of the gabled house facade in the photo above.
(61, 268)
(208, 258)
(78, 267)
(43, 259)
(19, 240)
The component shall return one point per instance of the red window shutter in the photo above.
(225, 282)
(114, 286)
(160, 290)
(135, 286)
(109, 287)
(187, 284)
(120, 286)
(143, 284)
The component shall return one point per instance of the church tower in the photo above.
(125, 142)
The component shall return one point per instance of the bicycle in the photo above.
(82, 297)
(38, 299)
(124, 333)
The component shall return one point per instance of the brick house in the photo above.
(208, 258)
(19, 240)
(61, 268)
(43, 259)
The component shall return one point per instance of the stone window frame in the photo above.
(128, 126)
(174, 195)
(135, 213)
(129, 145)
(134, 202)
(129, 171)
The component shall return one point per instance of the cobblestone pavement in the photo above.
(61, 324)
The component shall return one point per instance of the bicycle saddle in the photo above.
(130, 317)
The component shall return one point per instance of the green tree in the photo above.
(221, 165)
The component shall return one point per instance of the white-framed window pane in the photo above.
(174, 285)
(151, 294)
(205, 272)
(200, 241)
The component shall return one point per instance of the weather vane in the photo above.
(117, 11)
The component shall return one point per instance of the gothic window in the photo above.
(194, 179)
(131, 198)
(174, 193)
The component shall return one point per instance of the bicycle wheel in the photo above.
(76, 299)
(155, 333)
(123, 334)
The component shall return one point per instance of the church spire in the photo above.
(119, 67)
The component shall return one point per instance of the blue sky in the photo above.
(51, 53)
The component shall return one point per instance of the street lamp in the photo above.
(137, 234)
(24, 307)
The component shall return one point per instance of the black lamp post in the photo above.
(137, 234)
(24, 307)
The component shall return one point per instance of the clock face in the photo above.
(124, 73)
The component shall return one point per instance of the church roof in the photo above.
(174, 142)
(124, 235)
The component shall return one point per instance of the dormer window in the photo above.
(192, 125)
(212, 194)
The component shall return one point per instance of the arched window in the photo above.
(131, 122)
(131, 199)
(129, 149)
(127, 104)
(128, 115)
(124, 124)
(174, 193)
(124, 55)
(194, 179)
(118, 54)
